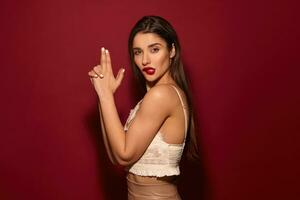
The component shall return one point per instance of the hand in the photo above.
(102, 76)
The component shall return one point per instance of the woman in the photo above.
(153, 139)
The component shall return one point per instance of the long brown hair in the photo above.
(161, 27)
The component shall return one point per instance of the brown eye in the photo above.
(154, 50)
(137, 52)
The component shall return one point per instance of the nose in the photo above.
(145, 59)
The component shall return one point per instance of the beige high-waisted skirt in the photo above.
(150, 188)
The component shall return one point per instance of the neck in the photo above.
(163, 80)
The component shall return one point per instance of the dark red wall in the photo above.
(243, 61)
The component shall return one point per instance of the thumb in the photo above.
(120, 76)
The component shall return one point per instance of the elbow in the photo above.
(125, 160)
(119, 162)
(123, 163)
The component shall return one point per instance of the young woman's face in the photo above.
(152, 56)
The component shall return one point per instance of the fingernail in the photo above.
(123, 70)
(106, 51)
(102, 48)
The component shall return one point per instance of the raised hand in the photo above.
(102, 76)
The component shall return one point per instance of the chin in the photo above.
(152, 81)
(150, 77)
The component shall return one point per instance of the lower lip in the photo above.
(149, 71)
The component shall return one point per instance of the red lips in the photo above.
(149, 70)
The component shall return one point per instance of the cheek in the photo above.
(137, 61)
(163, 59)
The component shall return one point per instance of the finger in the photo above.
(108, 61)
(103, 60)
(93, 74)
(120, 76)
(97, 72)
(97, 69)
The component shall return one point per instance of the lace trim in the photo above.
(154, 170)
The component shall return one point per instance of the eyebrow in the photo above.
(151, 45)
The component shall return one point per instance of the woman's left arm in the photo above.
(105, 140)
(105, 85)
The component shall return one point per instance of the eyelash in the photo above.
(137, 52)
(153, 50)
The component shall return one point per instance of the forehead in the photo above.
(142, 40)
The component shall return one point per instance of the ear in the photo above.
(173, 51)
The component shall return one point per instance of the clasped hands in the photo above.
(102, 76)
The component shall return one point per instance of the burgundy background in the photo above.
(242, 58)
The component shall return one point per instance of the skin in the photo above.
(160, 110)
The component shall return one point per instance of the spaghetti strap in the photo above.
(184, 111)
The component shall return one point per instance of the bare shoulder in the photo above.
(163, 96)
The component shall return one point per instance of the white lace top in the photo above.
(161, 158)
